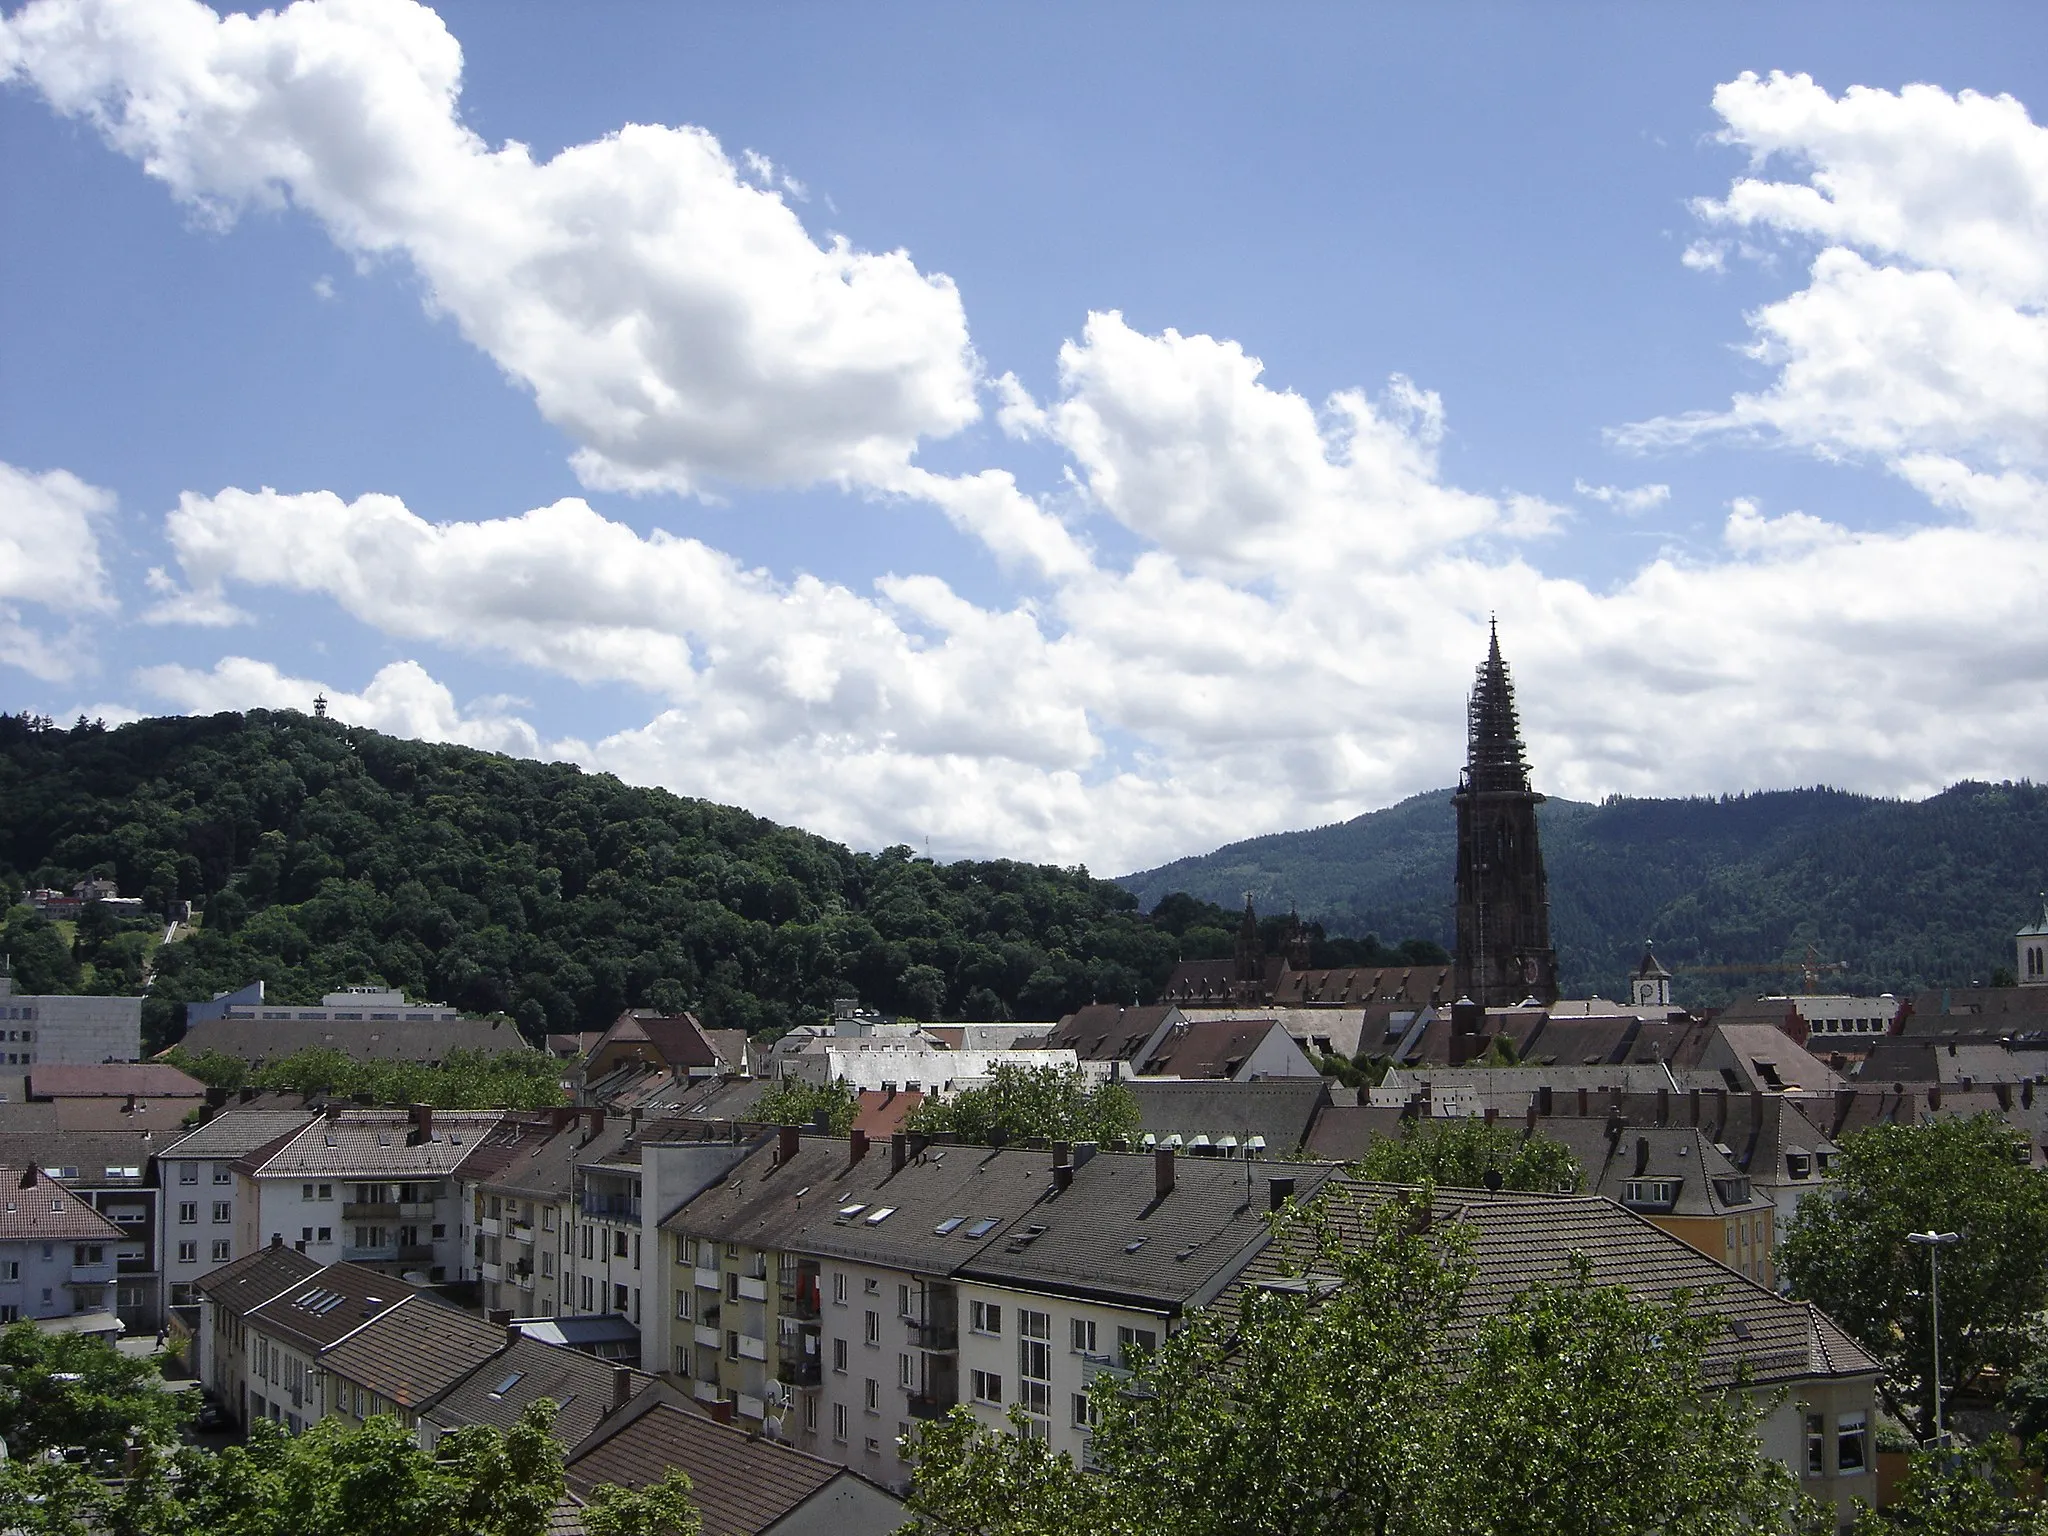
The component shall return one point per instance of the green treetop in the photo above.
(1460, 1153)
(1017, 1102)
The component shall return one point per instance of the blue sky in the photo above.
(907, 547)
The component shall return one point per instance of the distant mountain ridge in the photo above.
(1910, 893)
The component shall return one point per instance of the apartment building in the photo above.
(196, 1206)
(56, 1251)
(46, 1030)
(370, 1187)
(227, 1296)
(520, 1194)
(109, 1171)
(401, 1362)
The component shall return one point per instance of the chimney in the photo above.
(216, 1097)
(721, 1410)
(1062, 1153)
(899, 1151)
(1845, 1100)
(1585, 1103)
(596, 1121)
(1162, 1173)
(2027, 1094)
(1062, 1176)
(1467, 1017)
(1642, 1155)
(622, 1386)
(422, 1125)
(499, 1317)
(857, 1147)
(788, 1141)
(1545, 1100)
(1663, 1106)
(277, 1239)
(2004, 1091)
(28, 1176)
(1083, 1150)
(1692, 1107)
(1279, 1190)
(129, 1107)
(1492, 1114)
(247, 1094)
(513, 1333)
(1529, 1121)
(1934, 1097)
(332, 1108)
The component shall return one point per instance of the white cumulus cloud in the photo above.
(50, 559)
(1627, 500)
(666, 307)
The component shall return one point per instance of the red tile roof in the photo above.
(35, 1207)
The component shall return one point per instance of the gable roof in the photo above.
(414, 1352)
(112, 1079)
(742, 1484)
(260, 1040)
(248, 1282)
(1281, 1109)
(1212, 1048)
(375, 1144)
(676, 1041)
(35, 1208)
(237, 1133)
(1107, 1031)
(328, 1305)
(1519, 1241)
(1358, 985)
(498, 1389)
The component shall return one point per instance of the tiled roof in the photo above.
(1519, 1241)
(731, 1098)
(35, 1208)
(1613, 1152)
(257, 1040)
(1281, 1109)
(795, 1206)
(881, 1112)
(498, 1390)
(92, 1153)
(1345, 1029)
(1358, 985)
(741, 1483)
(254, 1278)
(1106, 1031)
(376, 1144)
(1345, 1133)
(414, 1352)
(1214, 1048)
(676, 1040)
(113, 1079)
(1110, 1235)
(237, 1133)
(542, 1166)
(328, 1305)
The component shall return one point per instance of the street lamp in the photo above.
(1934, 1242)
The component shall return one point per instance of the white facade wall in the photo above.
(58, 1278)
(285, 1384)
(603, 1266)
(187, 1249)
(1074, 1354)
(871, 1368)
(926, 1068)
(323, 1218)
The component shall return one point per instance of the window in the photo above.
(683, 1305)
(988, 1387)
(88, 1253)
(188, 1213)
(547, 1218)
(838, 1290)
(732, 1285)
(10, 1269)
(871, 1395)
(188, 1253)
(811, 1412)
(906, 1374)
(985, 1316)
(1034, 1360)
(618, 1298)
(1850, 1430)
(1132, 1342)
(222, 1174)
(1650, 1192)
(872, 1286)
(327, 1234)
(1082, 1331)
(839, 1356)
(839, 1422)
(305, 1191)
(188, 1173)
(873, 1326)
(220, 1250)
(1084, 1411)
(223, 1212)
(547, 1265)
(618, 1245)
(903, 1301)
(1816, 1445)
(586, 1243)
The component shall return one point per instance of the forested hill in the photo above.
(1910, 893)
(326, 855)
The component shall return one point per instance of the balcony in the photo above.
(801, 1302)
(704, 1391)
(929, 1405)
(416, 1210)
(752, 1289)
(711, 1338)
(354, 1212)
(752, 1407)
(752, 1348)
(936, 1338)
(800, 1371)
(611, 1207)
(490, 1226)
(411, 1251)
(491, 1272)
(708, 1280)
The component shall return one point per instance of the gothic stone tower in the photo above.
(1504, 952)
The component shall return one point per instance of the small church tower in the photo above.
(1650, 987)
(1504, 952)
(2032, 967)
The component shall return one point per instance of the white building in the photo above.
(921, 1066)
(57, 1254)
(197, 1209)
(71, 1031)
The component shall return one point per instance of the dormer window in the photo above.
(1659, 1193)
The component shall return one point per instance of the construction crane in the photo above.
(1810, 969)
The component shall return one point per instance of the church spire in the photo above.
(1494, 756)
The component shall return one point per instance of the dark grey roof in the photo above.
(415, 1351)
(258, 1040)
(499, 1389)
(1281, 1109)
(1110, 1235)
(248, 1282)
(1612, 1153)
(328, 1305)
(796, 1207)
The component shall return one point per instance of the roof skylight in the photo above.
(983, 1225)
(949, 1226)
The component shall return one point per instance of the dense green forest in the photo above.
(1910, 894)
(323, 855)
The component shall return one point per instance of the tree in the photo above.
(1979, 1493)
(792, 1101)
(665, 1508)
(1017, 1102)
(64, 1390)
(1847, 1250)
(1460, 1153)
(1359, 1401)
